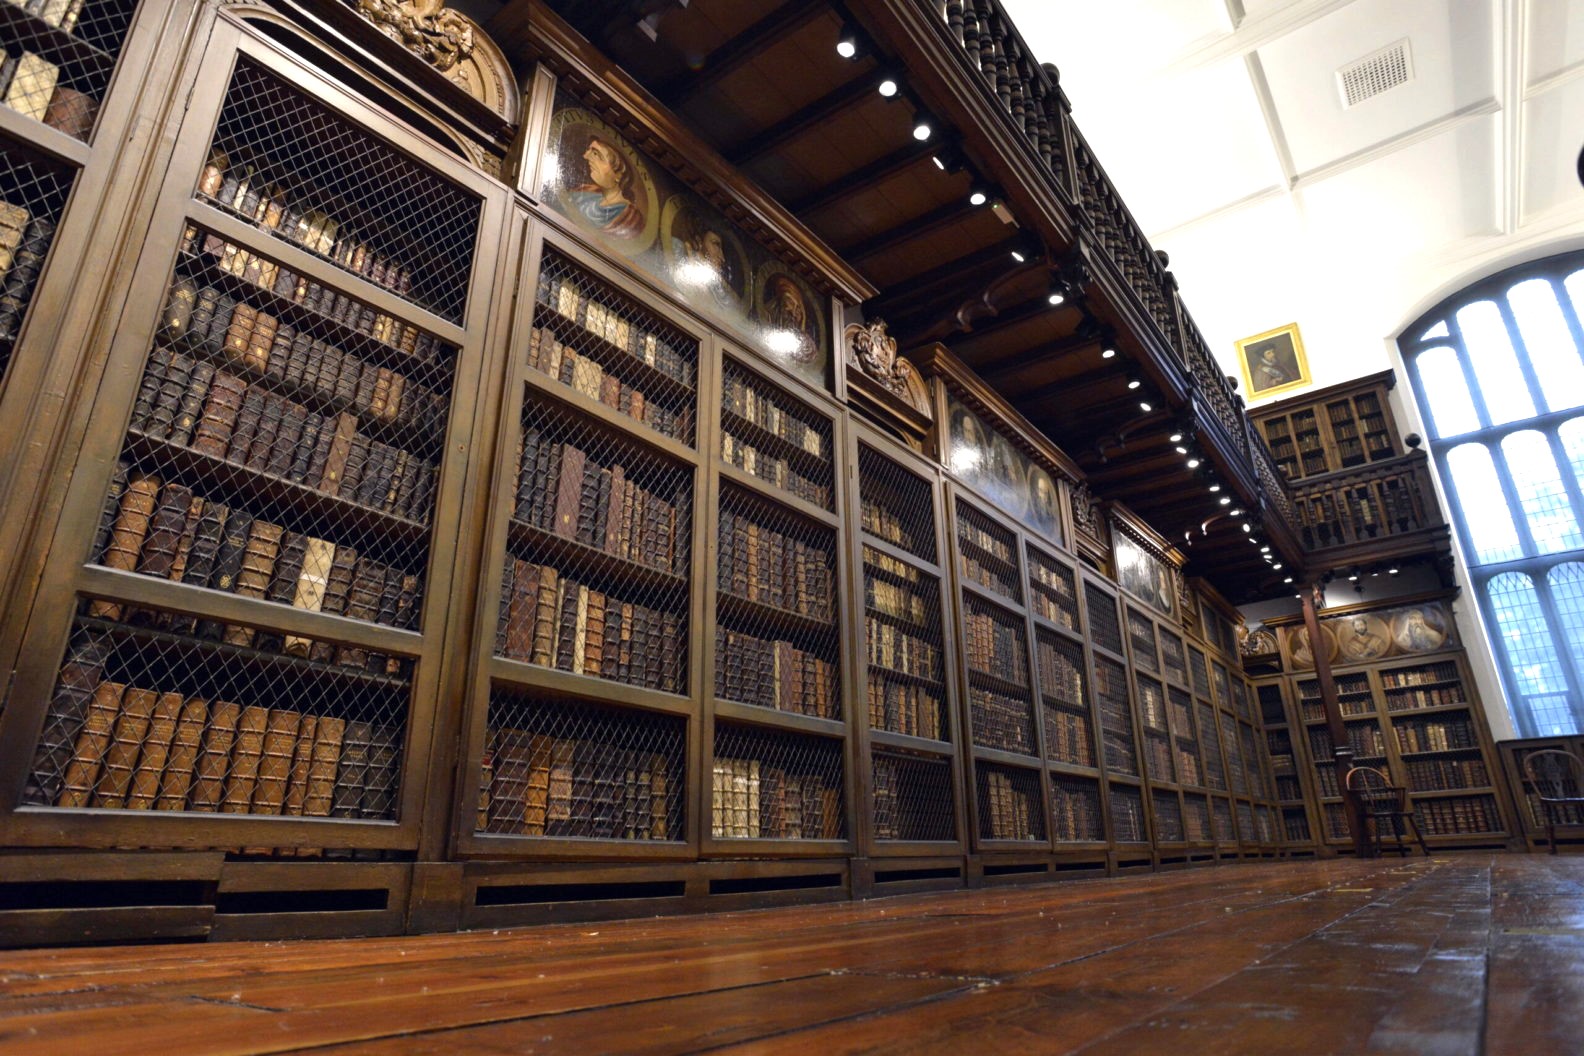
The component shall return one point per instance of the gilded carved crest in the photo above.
(1086, 510)
(874, 353)
(427, 28)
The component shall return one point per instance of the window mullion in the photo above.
(1570, 664)
(1515, 506)
(1460, 348)
(1521, 353)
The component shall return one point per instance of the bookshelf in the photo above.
(1289, 780)
(245, 656)
(1529, 811)
(1331, 429)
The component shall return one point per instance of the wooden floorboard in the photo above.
(1470, 953)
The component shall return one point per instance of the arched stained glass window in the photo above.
(1498, 371)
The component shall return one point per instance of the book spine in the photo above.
(247, 756)
(82, 772)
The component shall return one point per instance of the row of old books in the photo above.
(882, 522)
(1459, 814)
(251, 193)
(548, 354)
(572, 299)
(991, 543)
(143, 749)
(1288, 788)
(535, 784)
(1326, 779)
(1446, 735)
(164, 530)
(895, 650)
(1440, 775)
(1001, 721)
(1168, 818)
(1012, 811)
(24, 241)
(1075, 811)
(773, 470)
(189, 403)
(1364, 737)
(323, 301)
(899, 813)
(1068, 736)
(1127, 816)
(30, 83)
(1187, 761)
(260, 343)
(902, 708)
(899, 602)
(762, 564)
(1061, 672)
(1060, 609)
(1295, 826)
(598, 501)
(991, 576)
(1413, 699)
(1446, 671)
(775, 674)
(753, 799)
(1158, 758)
(551, 620)
(748, 401)
(993, 648)
(1151, 704)
(1196, 819)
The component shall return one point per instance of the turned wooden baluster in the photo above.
(954, 20)
(970, 31)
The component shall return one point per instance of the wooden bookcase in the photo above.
(1530, 814)
(1292, 781)
(1326, 430)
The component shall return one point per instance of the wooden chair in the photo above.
(1557, 779)
(1384, 802)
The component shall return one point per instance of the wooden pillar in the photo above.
(1341, 748)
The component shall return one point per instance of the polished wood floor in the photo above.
(1471, 953)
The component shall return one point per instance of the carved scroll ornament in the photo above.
(427, 28)
(873, 353)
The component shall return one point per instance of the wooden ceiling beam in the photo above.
(864, 178)
(800, 122)
(739, 51)
(999, 370)
(921, 292)
(908, 230)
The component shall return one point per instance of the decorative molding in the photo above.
(453, 45)
(873, 353)
(1086, 510)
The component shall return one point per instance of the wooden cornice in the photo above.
(531, 32)
(864, 178)
(1133, 526)
(937, 361)
(740, 50)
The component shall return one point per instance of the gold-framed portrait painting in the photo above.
(1273, 362)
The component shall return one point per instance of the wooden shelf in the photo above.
(763, 440)
(735, 607)
(591, 559)
(18, 24)
(651, 380)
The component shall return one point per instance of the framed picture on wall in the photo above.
(1273, 362)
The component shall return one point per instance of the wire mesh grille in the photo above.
(1221, 821)
(601, 344)
(1075, 809)
(1200, 670)
(1053, 590)
(299, 172)
(775, 437)
(1272, 710)
(596, 576)
(1011, 803)
(902, 632)
(1174, 664)
(1196, 819)
(1441, 774)
(570, 769)
(896, 505)
(1258, 786)
(1180, 711)
(1336, 825)
(1141, 636)
(1264, 824)
(1069, 734)
(143, 718)
(776, 642)
(912, 797)
(32, 193)
(1116, 720)
(1247, 831)
(987, 553)
(1295, 825)
(1001, 706)
(1416, 735)
(1104, 630)
(64, 52)
(1223, 686)
(776, 786)
(1209, 739)
(1168, 818)
(1127, 815)
(1237, 772)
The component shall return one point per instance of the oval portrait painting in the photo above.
(1420, 630)
(704, 258)
(791, 321)
(1298, 645)
(601, 183)
(1362, 637)
(1044, 509)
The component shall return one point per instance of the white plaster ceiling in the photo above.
(1221, 123)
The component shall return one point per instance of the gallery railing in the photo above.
(1367, 504)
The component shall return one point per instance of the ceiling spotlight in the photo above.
(1108, 352)
(978, 196)
(1134, 383)
(1214, 488)
(1288, 579)
(1180, 449)
(1265, 549)
(1235, 513)
(1175, 438)
(889, 88)
(1145, 407)
(1055, 297)
(1226, 500)
(1247, 527)
(847, 43)
(921, 128)
(1193, 463)
(1391, 571)
(1353, 578)
(1277, 566)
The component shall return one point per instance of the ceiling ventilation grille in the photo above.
(1375, 73)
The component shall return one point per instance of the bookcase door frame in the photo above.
(151, 264)
(520, 383)
(1087, 578)
(865, 739)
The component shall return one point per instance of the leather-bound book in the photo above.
(247, 755)
(287, 436)
(340, 450)
(346, 383)
(131, 526)
(569, 489)
(390, 598)
(83, 769)
(246, 428)
(258, 565)
(566, 624)
(319, 458)
(159, 359)
(288, 568)
(379, 404)
(356, 466)
(269, 423)
(611, 512)
(260, 340)
(337, 593)
(200, 323)
(610, 641)
(214, 756)
(191, 404)
(239, 332)
(302, 457)
(296, 801)
(596, 519)
(352, 774)
(126, 741)
(218, 416)
(376, 473)
(279, 353)
(235, 531)
(528, 482)
(80, 676)
(384, 770)
(523, 599)
(165, 531)
(275, 764)
(325, 363)
(410, 472)
(507, 780)
(111, 508)
(181, 764)
(16, 286)
(189, 535)
(593, 651)
(312, 583)
(545, 610)
(179, 304)
(420, 505)
(155, 753)
(368, 583)
(295, 360)
(168, 398)
(324, 766)
(395, 400)
(368, 384)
